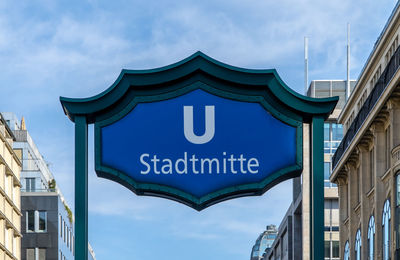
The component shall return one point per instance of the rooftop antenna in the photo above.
(348, 63)
(305, 65)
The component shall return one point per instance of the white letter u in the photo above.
(188, 125)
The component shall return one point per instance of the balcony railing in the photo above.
(38, 190)
(369, 104)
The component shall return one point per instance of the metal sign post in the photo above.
(317, 189)
(81, 188)
(198, 132)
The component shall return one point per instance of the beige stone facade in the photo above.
(366, 166)
(10, 214)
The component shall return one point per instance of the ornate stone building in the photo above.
(366, 165)
(10, 206)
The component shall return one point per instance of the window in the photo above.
(387, 150)
(42, 253)
(30, 221)
(30, 254)
(371, 237)
(358, 185)
(42, 221)
(30, 184)
(36, 221)
(346, 201)
(6, 235)
(14, 246)
(371, 168)
(333, 134)
(357, 245)
(346, 255)
(335, 249)
(6, 183)
(386, 230)
(36, 254)
(327, 173)
(327, 249)
(398, 190)
(60, 225)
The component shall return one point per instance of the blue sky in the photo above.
(78, 48)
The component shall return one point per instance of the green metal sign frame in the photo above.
(199, 72)
(157, 190)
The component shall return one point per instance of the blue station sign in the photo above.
(198, 131)
(198, 143)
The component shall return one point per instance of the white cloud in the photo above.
(78, 50)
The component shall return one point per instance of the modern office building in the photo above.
(366, 163)
(264, 242)
(288, 241)
(47, 221)
(292, 239)
(10, 209)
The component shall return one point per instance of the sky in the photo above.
(77, 49)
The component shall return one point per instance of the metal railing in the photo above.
(369, 104)
(38, 190)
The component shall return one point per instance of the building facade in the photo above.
(10, 206)
(293, 236)
(264, 242)
(333, 134)
(366, 164)
(47, 221)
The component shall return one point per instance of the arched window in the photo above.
(346, 255)
(357, 245)
(386, 230)
(371, 237)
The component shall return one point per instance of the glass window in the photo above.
(14, 245)
(346, 255)
(386, 230)
(335, 249)
(36, 221)
(371, 237)
(30, 184)
(387, 150)
(327, 249)
(42, 221)
(371, 167)
(337, 132)
(326, 132)
(357, 245)
(358, 184)
(327, 170)
(60, 224)
(42, 253)
(6, 183)
(30, 221)
(30, 254)
(327, 147)
(398, 189)
(6, 235)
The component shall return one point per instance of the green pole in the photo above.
(317, 189)
(81, 188)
